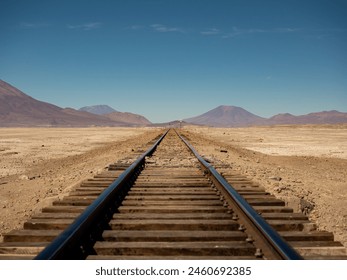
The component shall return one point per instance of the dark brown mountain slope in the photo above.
(128, 118)
(19, 109)
(227, 116)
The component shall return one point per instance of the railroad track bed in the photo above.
(172, 209)
(172, 212)
(301, 233)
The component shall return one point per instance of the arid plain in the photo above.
(304, 165)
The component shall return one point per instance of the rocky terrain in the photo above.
(39, 164)
(306, 166)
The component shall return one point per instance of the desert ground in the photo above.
(37, 165)
(304, 165)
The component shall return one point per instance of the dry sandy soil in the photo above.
(303, 165)
(306, 166)
(39, 164)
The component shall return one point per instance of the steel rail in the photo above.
(273, 246)
(75, 241)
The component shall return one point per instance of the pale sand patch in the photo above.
(21, 148)
(305, 140)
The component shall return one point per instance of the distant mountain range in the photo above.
(232, 116)
(325, 117)
(226, 116)
(98, 109)
(133, 119)
(19, 109)
(112, 114)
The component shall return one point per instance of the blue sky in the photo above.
(173, 59)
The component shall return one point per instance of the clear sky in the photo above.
(173, 59)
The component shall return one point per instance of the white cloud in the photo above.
(210, 31)
(136, 27)
(163, 28)
(85, 26)
(237, 31)
(286, 30)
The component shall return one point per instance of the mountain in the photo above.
(98, 109)
(112, 114)
(325, 117)
(231, 116)
(282, 118)
(19, 109)
(130, 118)
(227, 116)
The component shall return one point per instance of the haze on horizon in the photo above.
(176, 59)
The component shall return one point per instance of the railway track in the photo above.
(169, 204)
